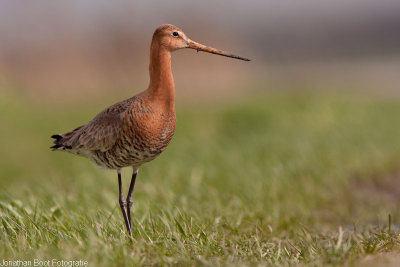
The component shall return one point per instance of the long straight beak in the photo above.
(200, 47)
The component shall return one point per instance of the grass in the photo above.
(278, 179)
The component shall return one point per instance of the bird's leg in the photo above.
(122, 203)
(129, 197)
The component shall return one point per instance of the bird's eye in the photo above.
(175, 34)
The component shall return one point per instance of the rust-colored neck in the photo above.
(162, 87)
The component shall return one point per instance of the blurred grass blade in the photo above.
(12, 212)
(178, 225)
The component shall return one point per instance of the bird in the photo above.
(136, 130)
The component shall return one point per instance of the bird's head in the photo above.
(172, 38)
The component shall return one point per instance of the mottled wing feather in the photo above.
(102, 132)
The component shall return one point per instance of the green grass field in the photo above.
(278, 179)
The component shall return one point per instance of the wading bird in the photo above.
(136, 130)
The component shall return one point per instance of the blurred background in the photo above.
(304, 136)
(73, 50)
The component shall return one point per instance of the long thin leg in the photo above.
(129, 197)
(122, 203)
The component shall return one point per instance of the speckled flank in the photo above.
(146, 132)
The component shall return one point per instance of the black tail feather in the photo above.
(57, 137)
(57, 146)
(57, 140)
(60, 140)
